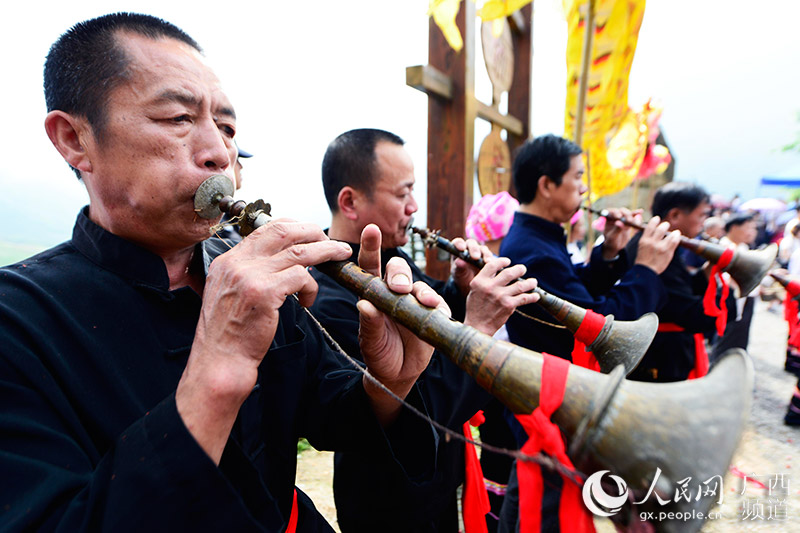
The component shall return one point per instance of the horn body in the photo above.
(747, 267)
(791, 285)
(618, 343)
(630, 428)
(609, 422)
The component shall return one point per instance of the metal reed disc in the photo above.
(209, 193)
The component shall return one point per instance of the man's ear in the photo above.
(348, 200)
(67, 134)
(673, 215)
(544, 186)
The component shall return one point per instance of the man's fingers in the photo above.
(428, 297)
(398, 275)
(280, 234)
(369, 254)
(493, 266)
(309, 254)
(486, 253)
(474, 249)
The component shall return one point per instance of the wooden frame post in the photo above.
(449, 82)
(451, 134)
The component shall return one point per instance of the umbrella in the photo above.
(785, 217)
(764, 205)
(720, 202)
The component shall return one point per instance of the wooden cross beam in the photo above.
(429, 80)
(449, 81)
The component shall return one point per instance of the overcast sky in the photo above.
(300, 73)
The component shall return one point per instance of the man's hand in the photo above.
(461, 271)
(495, 292)
(616, 234)
(657, 245)
(394, 355)
(244, 289)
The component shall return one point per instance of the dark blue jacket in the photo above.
(606, 287)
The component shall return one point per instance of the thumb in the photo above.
(372, 328)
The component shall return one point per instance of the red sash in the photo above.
(474, 501)
(545, 436)
(700, 355)
(790, 312)
(292, 527)
(709, 299)
(591, 326)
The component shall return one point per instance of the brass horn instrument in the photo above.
(791, 285)
(618, 343)
(747, 267)
(609, 421)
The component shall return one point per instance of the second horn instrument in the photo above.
(618, 343)
(746, 267)
(791, 285)
(630, 428)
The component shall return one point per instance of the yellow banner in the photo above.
(614, 136)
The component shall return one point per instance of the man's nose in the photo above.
(411, 206)
(212, 152)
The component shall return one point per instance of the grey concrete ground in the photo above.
(768, 449)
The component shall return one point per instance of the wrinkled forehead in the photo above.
(166, 64)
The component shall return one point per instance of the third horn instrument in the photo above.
(746, 267)
(619, 342)
(630, 428)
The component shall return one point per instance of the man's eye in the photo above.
(181, 118)
(227, 130)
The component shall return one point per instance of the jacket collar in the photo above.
(127, 259)
(540, 225)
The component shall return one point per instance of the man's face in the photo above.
(744, 233)
(169, 128)
(566, 198)
(392, 202)
(690, 223)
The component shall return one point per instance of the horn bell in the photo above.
(748, 267)
(672, 427)
(624, 342)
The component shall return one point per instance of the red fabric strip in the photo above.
(292, 527)
(545, 436)
(474, 502)
(790, 310)
(793, 288)
(709, 299)
(700, 355)
(583, 357)
(591, 326)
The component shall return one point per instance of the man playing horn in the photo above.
(548, 177)
(678, 351)
(368, 178)
(149, 381)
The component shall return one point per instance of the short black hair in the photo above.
(738, 219)
(547, 155)
(683, 195)
(87, 62)
(350, 161)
